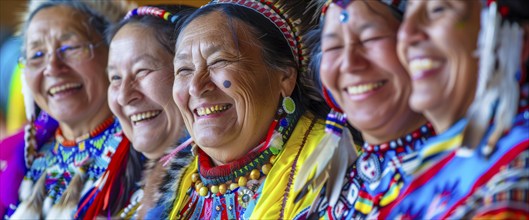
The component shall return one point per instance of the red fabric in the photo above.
(114, 171)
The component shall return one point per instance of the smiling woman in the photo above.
(140, 71)
(65, 57)
(246, 97)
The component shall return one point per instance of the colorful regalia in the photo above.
(455, 182)
(64, 170)
(259, 186)
(375, 179)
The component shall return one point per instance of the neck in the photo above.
(223, 156)
(71, 131)
(442, 119)
(394, 129)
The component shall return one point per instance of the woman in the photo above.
(253, 113)
(65, 59)
(140, 70)
(477, 166)
(361, 70)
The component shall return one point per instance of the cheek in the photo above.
(180, 94)
(328, 71)
(113, 101)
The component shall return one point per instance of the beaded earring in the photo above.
(289, 106)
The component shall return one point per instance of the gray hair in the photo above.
(101, 13)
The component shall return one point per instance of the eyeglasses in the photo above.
(69, 54)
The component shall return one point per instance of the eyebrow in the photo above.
(63, 37)
(329, 35)
(210, 49)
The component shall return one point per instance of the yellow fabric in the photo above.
(277, 181)
(15, 115)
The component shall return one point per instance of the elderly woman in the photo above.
(361, 70)
(65, 59)
(478, 165)
(252, 111)
(140, 70)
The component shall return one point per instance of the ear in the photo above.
(288, 81)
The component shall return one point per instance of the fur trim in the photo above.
(169, 185)
(33, 206)
(67, 204)
(154, 174)
(25, 189)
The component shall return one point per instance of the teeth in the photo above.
(202, 111)
(144, 116)
(359, 89)
(64, 87)
(421, 65)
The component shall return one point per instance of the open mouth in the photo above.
(419, 67)
(135, 118)
(364, 88)
(64, 88)
(215, 109)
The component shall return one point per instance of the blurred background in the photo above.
(12, 116)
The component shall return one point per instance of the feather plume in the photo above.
(497, 90)
(327, 164)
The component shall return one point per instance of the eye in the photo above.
(37, 55)
(330, 48)
(183, 71)
(372, 39)
(143, 72)
(218, 63)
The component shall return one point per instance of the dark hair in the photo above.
(164, 31)
(276, 50)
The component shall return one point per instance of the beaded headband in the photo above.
(399, 5)
(152, 11)
(280, 19)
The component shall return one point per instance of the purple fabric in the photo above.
(12, 164)
(12, 169)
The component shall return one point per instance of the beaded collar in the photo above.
(71, 143)
(215, 175)
(401, 143)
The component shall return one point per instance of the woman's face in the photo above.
(227, 94)
(437, 42)
(361, 69)
(71, 92)
(140, 71)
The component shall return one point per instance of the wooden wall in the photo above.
(10, 8)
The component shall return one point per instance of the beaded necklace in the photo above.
(248, 170)
(71, 143)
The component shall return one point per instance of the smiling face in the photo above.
(436, 43)
(361, 69)
(72, 93)
(227, 94)
(141, 77)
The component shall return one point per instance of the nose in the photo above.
(128, 92)
(353, 59)
(54, 66)
(411, 32)
(201, 84)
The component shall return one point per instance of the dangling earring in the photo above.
(289, 106)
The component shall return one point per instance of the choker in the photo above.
(72, 143)
(400, 144)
